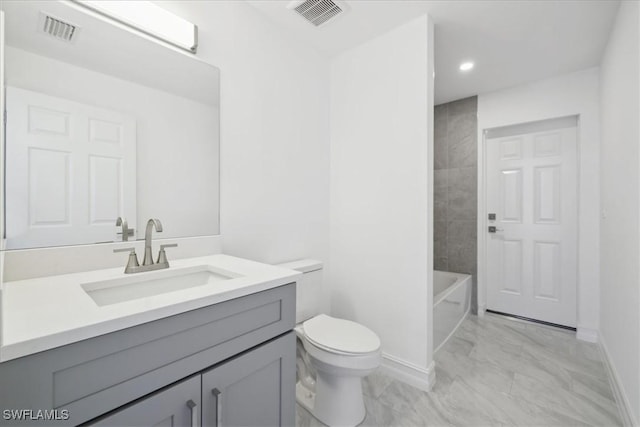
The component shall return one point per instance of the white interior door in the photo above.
(71, 171)
(532, 255)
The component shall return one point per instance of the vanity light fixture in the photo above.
(150, 19)
(466, 66)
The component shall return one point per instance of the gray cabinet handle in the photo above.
(216, 394)
(194, 413)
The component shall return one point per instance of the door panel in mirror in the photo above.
(136, 93)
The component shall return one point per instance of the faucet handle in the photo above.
(162, 255)
(132, 250)
(133, 259)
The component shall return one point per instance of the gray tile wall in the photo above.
(455, 187)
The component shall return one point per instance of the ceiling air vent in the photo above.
(58, 28)
(318, 12)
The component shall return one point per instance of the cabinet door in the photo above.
(178, 405)
(256, 388)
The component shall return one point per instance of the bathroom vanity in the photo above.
(207, 341)
(218, 353)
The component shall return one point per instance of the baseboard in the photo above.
(587, 334)
(416, 376)
(622, 400)
(482, 309)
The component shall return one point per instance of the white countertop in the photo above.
(48, 312)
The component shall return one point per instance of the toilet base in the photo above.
(337, 400)
(305, 397)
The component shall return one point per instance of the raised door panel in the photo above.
(106, 189)
(511, 148)
(532, 252)
(511, 189)
(48, 121)
(511, 267)
(49, 175)
(546, 270)
(72, 171)
(178, 405)
(547, 188)
(547, 144)
(256, 388)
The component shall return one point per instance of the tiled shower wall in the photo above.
(455, 188)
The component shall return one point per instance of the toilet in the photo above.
(333, 355)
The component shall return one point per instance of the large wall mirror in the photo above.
(107, 124)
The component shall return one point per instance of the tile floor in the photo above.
(498, 372)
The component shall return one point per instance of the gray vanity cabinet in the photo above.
(254, 389)
(178, 405)
(147, 374)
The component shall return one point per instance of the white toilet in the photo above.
(333, 354)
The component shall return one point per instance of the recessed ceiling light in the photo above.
(466, 66)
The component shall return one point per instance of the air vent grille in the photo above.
(318, 11)
(57, 28)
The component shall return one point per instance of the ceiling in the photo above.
(511, 42)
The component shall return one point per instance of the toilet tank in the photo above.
(309, 287)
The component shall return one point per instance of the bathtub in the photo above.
(451, 303)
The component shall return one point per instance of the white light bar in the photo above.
(150, 19)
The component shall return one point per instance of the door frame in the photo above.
(584, 334)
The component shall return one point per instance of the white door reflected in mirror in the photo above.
(55, 145)
(120, 77)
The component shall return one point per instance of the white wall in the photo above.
(2, 25)
(274, 133)
(177, 140)
(620, 192)
(381, 192)
(570, 94)
(274, 140)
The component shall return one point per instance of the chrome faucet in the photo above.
(148, 257)
(147, 263)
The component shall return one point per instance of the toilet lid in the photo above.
(340, 335)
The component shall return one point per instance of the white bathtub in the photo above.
(451, 303)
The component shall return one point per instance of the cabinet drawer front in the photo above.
(178, 405)
(99, 374)
(201, 338)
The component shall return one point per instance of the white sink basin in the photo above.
(142, 285)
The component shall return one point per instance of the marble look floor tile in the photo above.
(305, 419)
(499, 353)
(458, 345)
(523, 412)
(605, 404)
(450, 366)
(428, 410)
(594, 383)
(589, 351)
(463, 405)
(498, 372)
(379, 414)
(399, 396)
(563, 401)
(565, 361)
(375, 383)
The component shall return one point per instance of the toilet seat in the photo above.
(340, 336)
